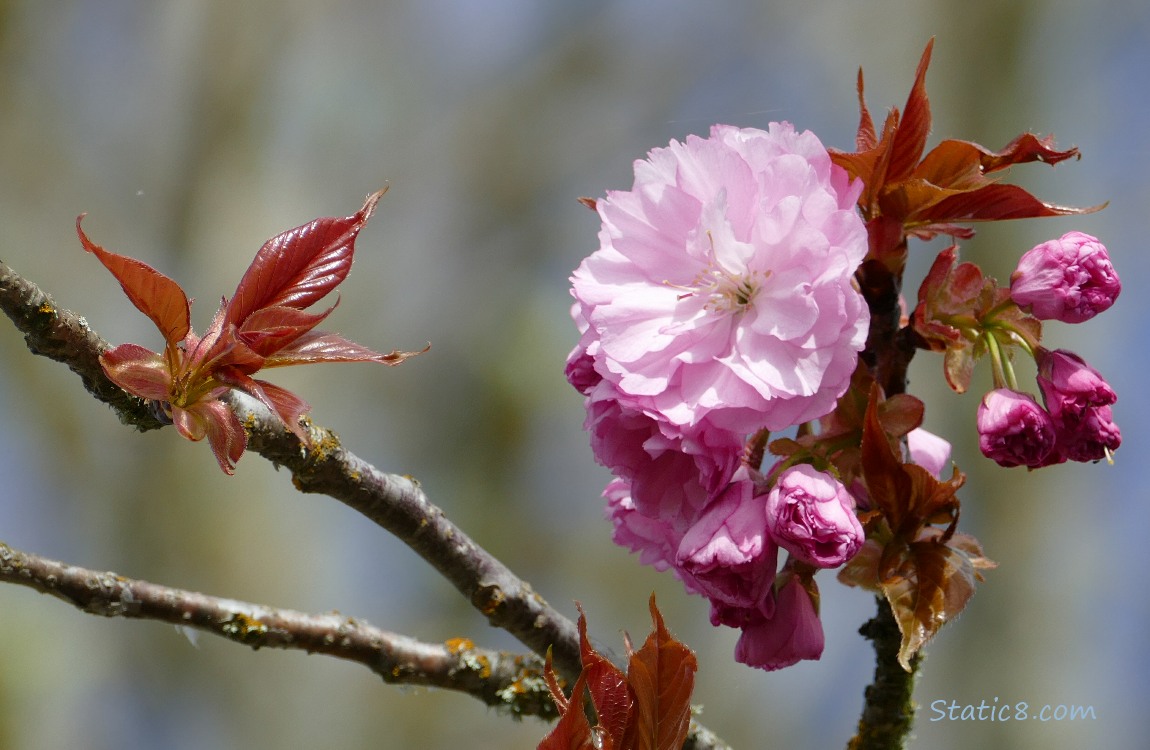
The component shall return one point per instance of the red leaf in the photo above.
(268, 330)
(212, 418)
(866, 139)
(910, 138)
(1025, 148)
(614, 702)
(286, 405)
(571, 732)
(662, 676)
(153, 293)
(317, 346)
(993, 202)
(886, 481)
(138, 371)
(932, 587)
(300, 266)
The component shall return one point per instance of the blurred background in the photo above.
(192, 131)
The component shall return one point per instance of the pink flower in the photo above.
(928, 450)
(793, 632)
(1090, 436)
(729, 554)
(811, 515)
(654, 540)
(670, 476)
(722, 290)
(1069, 385)
(1069, 279)
(1013, 429)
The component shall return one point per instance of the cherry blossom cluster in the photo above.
(1070, 279)
(721, 303)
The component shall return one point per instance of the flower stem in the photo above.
(889, 711)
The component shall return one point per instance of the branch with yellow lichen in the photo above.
(394, 502)
(509, 681)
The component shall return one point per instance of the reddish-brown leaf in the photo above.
(571, 732)
(991, 202)
(317, 346)
(662, 677)
(862, 569)
(153, 293)
(866, 139)
(270, 329)
(138, 371)
(908, 195)
(886, 480)
(300, 266)
(910, 137)
(1025, 148)
(932, 587)
(610, 693)
(213, 419)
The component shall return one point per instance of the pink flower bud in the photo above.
(791, 634)
(1090, 436)
(1069, 279)
(728, 553)
(1013, 429)
(1069, 385)
(811, 515)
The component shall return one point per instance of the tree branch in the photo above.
(394, 502)
(888, 713)
(511, 681)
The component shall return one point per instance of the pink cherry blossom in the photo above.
(722, 290)
(1013, 429)
(791, 634)
(729, 553)
(1089, 436)
(1069, 385)
(811, 515)
(671, 476)
(1069, 279)
(654, 540)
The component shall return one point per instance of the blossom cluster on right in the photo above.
(750, 282)
(721, 303)
(1070, 279)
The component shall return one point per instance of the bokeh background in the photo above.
(192, 131)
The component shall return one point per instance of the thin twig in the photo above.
(511, 681)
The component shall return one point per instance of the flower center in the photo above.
(727, 291)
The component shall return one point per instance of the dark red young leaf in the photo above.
(649, 709)
(886, 481)
(270, 329)
(300, 266)
(935, 581)
(910, 137)
(993, 202)
(571, 732)
(906, 194)
(610, 693)
(662, 676)
(153, 293)
(866, 139)
(137, 370)
(317, 346)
